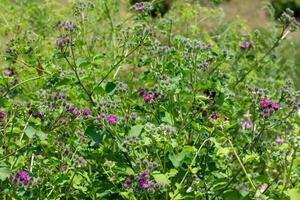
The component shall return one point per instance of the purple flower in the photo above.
(60, 42)
(142, 92)
(21, 178)
(276, 105)
(9, 72)
(141, 6)
(279, 140)
(112, 119)
(247, 124)
(76, 112)
(147, 98)
(71, 108)
(245, 45)
(2, 115)
(263, 187)
(214, 116)
(145, 186)
(86, 112)
(144, 174)
(40, 115)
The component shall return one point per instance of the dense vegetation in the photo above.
(101, 100)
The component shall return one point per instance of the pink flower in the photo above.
(276, 106)
(144, 174)
(263, 187)
(245, 45)
(112, 119)
(147, 98)
(279, 140)
(86, 112)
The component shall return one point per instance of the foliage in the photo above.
(98, 104)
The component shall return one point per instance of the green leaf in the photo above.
(136, 130)
(31, 132)
(161, 178)
(167, 117)
(4, 171)
(294, 193)
(94, 134)
(178, 159)
(81, 62)
(110, 87)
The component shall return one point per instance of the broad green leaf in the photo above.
(110, 87)
(136, 130)
(294, 193)
(167, 117)
(161, 178)
(31, 132)
(4, 171)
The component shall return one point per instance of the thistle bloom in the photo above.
(112, 119)
(247, 124)
(2, 115)
(60, 42)
(245, 45)
(141, 6)
(276, 106)
(147, 98)
(21, 178)
(86, 112)
(279, 140)
(144, 174)
(263, 187)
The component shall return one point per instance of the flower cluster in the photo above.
(21, 178)
(141, 7)
(143, 181)
(245, 45)
(66, 25)
(268, 107)
(60, 42)
(148, 96)
(2, 116)
(85, 113)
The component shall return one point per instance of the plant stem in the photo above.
(242, 165)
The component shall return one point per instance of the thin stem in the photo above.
(19, 84)
(283, 34)
(242, 165)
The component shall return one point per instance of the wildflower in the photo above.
(143, 183)
(76, 112)
(279, 140)
(112, 119)
(142, 92)
(40, 115)
(214, 116)
(263, 187)
(141, 6)
(245, 45)
(127, 182)
(247, 124)
(21, 178)
(276, 106)
(147, 98)
(86, 112)
(2, 115)
(144, 174)
(9, 72)
(60, 42)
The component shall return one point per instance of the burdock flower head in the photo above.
(141, 7)
(245, 45)
(2, 116)
(21, 178)
(60, 42)
(112, 119)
